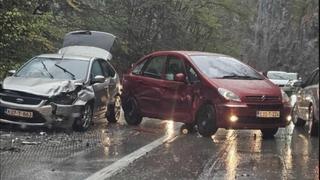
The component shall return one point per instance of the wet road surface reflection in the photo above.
(232, 154)
(229, 154)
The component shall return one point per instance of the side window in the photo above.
(138, 68)
(107, 69)
(96, 69)
(191, 74)
(154, 67)
(174, 67)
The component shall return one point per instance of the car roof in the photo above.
(66, 56)
(189, 53)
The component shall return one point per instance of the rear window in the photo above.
(220, 66)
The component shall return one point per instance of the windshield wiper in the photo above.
(45, 68)
(66, 71)
(240, 77)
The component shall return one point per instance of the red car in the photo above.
(202, 89)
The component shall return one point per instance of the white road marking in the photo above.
(117, 166)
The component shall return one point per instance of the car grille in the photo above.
(262, 99)
(37, 117)
(20, 98)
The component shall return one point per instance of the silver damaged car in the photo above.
(66, 89)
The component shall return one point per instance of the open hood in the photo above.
(96, 39)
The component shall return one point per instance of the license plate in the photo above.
(17, 113)
(268, 114)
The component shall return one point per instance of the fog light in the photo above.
(233, 118)
(289, 118)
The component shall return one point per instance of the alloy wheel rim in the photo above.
(86, 117)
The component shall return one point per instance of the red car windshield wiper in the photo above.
(240, 77)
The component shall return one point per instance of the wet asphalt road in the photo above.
(230, 154)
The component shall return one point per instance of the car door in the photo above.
(178, 98)
(305, 94)
(100, 89)
(147, 89)
(112, 78)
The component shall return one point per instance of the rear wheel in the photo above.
(131, 112)
(269, 133)
(206, 121)
(83, 123)
(313, 127)
(295, 118)
(114, 110)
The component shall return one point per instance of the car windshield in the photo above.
(55, 68)
(282, 76)
(224, 67)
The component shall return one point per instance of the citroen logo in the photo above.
(19, 100)
(263, 98)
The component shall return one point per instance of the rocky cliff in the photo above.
(286, 36)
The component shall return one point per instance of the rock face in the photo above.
(286, 36)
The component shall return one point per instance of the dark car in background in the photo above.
(306, 108)
(65, 89)
(206, 90)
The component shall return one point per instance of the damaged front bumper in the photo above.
(44, 114)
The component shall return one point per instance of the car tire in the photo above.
(313, 127)
(206, 121)
(269, 133)
(114, 111)
(83, 123)
(295, 118)
(187, 128)
(131, 112)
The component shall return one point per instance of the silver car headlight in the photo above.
(229, 95)
(285, 97)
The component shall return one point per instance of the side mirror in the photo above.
(11, 72)
(180, 77)
(298, 84)
(98, 79)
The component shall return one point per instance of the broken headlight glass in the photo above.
(65, 98)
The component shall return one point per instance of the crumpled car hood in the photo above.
(39, 86)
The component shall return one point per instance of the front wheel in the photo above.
(83, 123)
(131, 112)
(269, 133)
(114, 110)
(206, 121)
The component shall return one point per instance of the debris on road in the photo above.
(10, 149)
(43, 133)
(30, 143)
